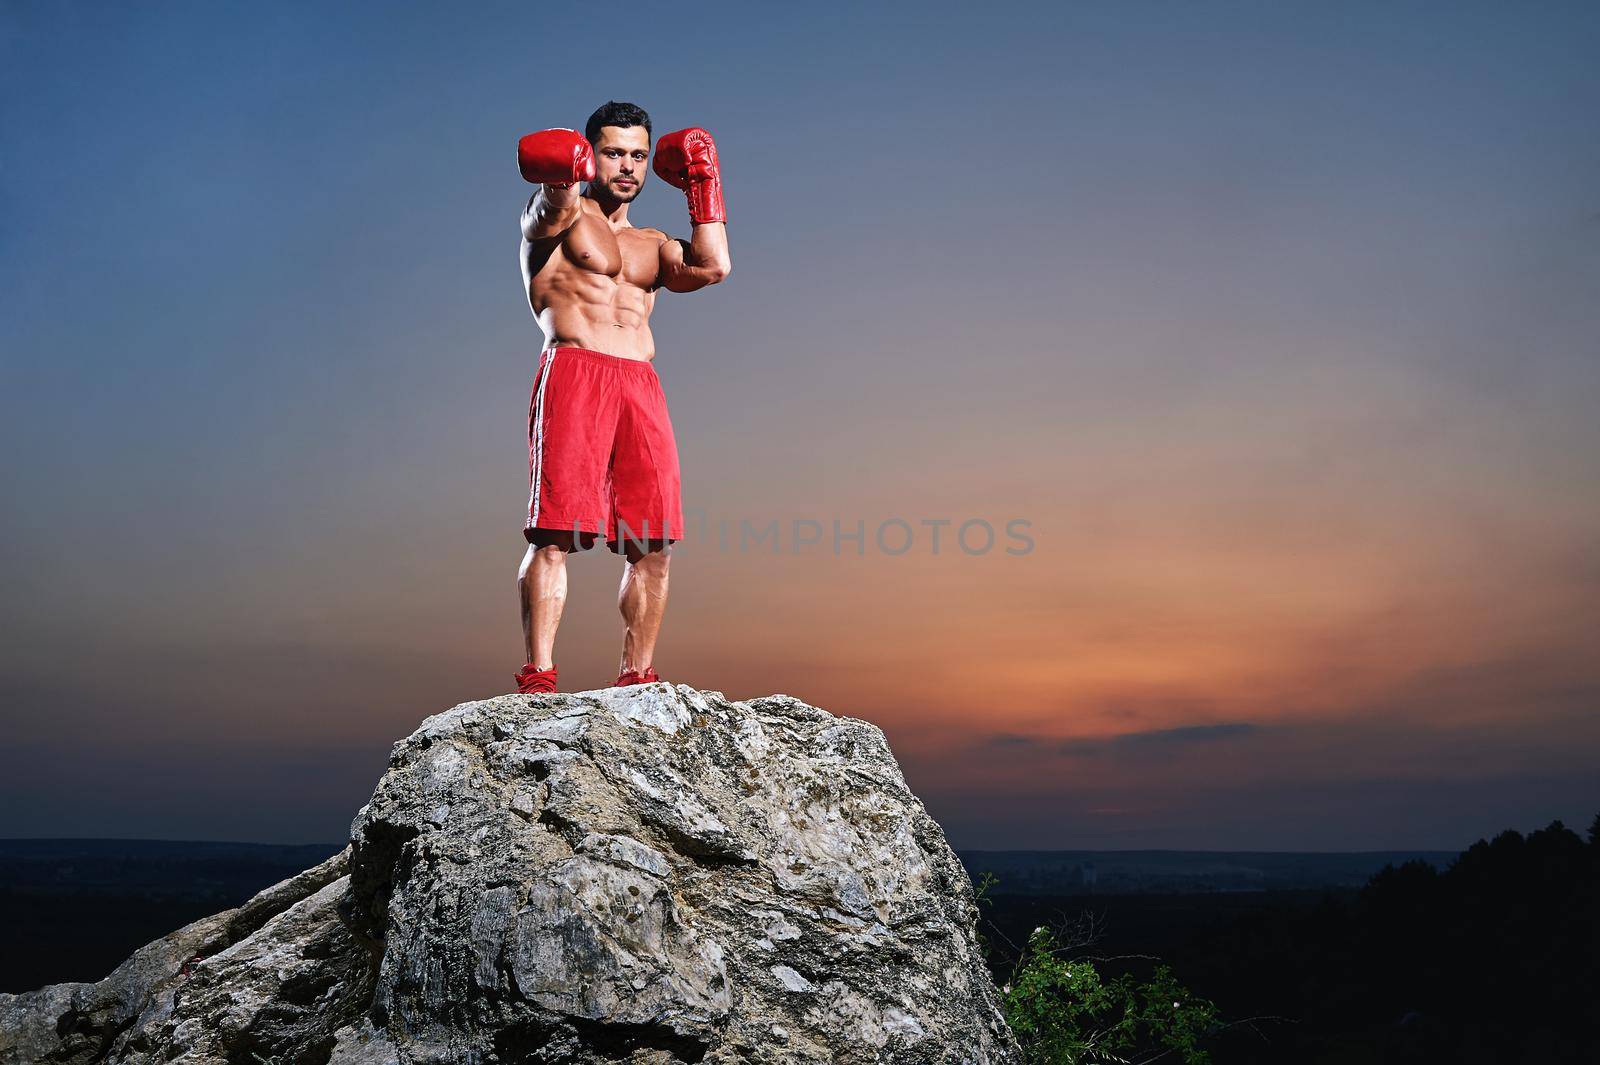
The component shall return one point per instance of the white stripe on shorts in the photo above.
(538, 440)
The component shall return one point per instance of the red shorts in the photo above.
(601, 454)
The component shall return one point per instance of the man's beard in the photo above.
(608, 193)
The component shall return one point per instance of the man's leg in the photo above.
(642, 600)
(645, 497)
(542, 584)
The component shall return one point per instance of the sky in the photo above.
(1243, 357)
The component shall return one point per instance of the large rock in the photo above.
(651, 874)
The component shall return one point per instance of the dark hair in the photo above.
(614, 113)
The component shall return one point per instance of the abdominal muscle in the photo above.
(586, 309)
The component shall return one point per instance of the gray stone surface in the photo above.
(652, 875)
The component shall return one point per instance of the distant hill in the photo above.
(172, 869)
(1158, 872)
(143, 889)
(138, 890)
(151, 868)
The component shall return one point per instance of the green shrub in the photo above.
(1064, 1013)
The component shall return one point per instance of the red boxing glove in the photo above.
(557, 157)
(687, 160)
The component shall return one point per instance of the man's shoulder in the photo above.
(649, 231)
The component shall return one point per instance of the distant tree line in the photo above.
(1493, 960)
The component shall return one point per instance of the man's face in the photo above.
(620, 156)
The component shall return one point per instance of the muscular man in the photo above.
(601, 454)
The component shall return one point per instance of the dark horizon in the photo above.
(964, 850)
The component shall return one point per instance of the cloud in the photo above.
(1147, 739)
(1013, 739)
(1159, 739)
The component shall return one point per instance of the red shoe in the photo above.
(532, 681)
(629, 677)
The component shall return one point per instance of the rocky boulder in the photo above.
(651, 874)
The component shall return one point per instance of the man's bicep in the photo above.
(676, 274)
(672, 251)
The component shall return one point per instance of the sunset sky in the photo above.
(1277, 325)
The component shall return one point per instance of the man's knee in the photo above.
(654, 554)
(546, 548)
(551, 554)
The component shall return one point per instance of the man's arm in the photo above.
(697, 262)
(555, 160)
(550, 212)
(687, 160)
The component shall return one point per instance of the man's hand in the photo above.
(687, 160)
(556, 157)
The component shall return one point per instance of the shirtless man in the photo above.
(601, 452)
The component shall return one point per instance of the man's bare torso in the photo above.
(595, 285)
